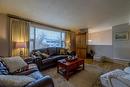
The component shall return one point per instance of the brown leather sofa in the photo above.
(40, 79)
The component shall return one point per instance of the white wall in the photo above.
(104, 44)
(100, 38)
(4, 36)
(121, 48)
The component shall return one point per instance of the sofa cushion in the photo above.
(14, 81)
(36, 75)
(14, 63)
(58, 57)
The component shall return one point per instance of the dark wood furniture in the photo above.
(81, 44)
(67, 68)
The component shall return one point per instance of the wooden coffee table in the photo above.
(67, 68)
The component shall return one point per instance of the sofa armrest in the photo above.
(118, 82)
(106, 78)
(31, 68)
(27, 72)
(46, 81)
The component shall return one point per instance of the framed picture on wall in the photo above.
(121, 35)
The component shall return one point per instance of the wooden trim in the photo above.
(29, 20)
(10, 38)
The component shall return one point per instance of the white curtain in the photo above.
(67, 40)
(19, 32)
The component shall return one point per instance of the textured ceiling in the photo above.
(71, 14)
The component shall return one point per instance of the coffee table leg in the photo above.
(57, 68)
(83, 66)
(67, 75)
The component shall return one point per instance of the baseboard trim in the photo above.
(97, 58)
(114, 60)
(121, 61)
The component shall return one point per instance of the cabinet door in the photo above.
(81, 53)
(81, 45)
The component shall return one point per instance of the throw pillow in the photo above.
(45, 55)
(62, 51)
(37, 53)
(14, 81)
(14, 63)
(25, 68)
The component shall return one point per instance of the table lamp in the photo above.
(21, 45)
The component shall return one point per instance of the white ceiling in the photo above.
(71, 14)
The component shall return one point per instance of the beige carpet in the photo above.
(84, 78)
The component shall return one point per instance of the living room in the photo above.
(54, 43)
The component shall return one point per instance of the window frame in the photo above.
(62, 45)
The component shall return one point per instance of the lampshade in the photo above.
(20, 45)
(89, 40)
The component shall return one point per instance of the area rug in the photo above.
(85, 78)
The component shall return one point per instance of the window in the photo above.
(31, 46)
(43, 38)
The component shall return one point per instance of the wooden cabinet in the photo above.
(81, 45)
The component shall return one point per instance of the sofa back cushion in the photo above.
(51, 51)
(63, 51)
(43, 50)
(14, 63)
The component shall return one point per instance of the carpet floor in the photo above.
(85, 78)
